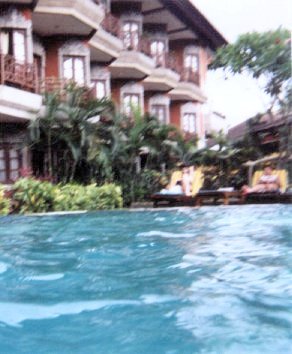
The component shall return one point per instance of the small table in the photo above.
(216, 195)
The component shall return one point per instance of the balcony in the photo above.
(188, 75)
(188, 88)
(19, 100)
(134, 61)
(165, 76)
(17, 74)
(63, 87)
(106, 45)
(67, 17)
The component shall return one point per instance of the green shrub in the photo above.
(4, 202)
(146, 183)
(33, 196)
(72, 197)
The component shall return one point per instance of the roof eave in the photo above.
(197, 22)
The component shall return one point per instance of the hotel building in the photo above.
(148, 53)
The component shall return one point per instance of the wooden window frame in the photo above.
(155, 108)
(11, 45)
(125, 94)
(160, 58)
(104, 82)
(74, 57)
(188, 130)
(7, 162)
(38, 62)
(131, 46)
(193, 55)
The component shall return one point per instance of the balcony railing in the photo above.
(144, 46)
(17, 74)
(171, 62)
(132, 41)
(111, 24)
(188, 75)
(62, 87)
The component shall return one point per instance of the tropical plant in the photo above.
(265, 56)
(72, 197)
(4, 202)
(33, 196)
(68, 125)
(220, 157)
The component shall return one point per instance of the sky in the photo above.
(239, 97)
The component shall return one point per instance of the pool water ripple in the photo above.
(180, 281)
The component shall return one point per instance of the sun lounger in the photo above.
(280, 196)
(218, 197)
(269, 198)
(161, 199)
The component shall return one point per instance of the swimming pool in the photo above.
(180, 281)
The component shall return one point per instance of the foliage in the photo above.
(127, 145)
(4, 202)
(149, 181)
(222, 158)
(263, 55)
(67, 125)
(73, 197)
(108, 149)
(33, 196)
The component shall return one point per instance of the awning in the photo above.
(272, 157)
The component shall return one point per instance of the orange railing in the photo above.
(187, 74)
(18, 74)
(63, 86)
(171, 62)
(144, 46)
(111, 24)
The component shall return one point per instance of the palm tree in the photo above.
(69, 121)
(220, 156)
(45, 126)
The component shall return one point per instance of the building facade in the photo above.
(148, 53)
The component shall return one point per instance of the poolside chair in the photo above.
(179, 199)
(281, 196)
(282, 175)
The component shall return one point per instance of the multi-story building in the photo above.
(149, 53)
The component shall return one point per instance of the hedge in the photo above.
(34, 196)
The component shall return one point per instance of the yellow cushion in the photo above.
(282, 175)
(176, 176)
(197, 182)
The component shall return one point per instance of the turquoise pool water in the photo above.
(185, 281)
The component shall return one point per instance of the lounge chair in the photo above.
(160, 199)
(281, 196)
(220, 196)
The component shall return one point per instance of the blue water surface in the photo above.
(180, 281)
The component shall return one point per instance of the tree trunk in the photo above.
(50, 163)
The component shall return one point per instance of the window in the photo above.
(192, 62)
(159, 111)
(130, 101)
(157, 49)
(100, 88)
(10, 163)
(13, 42)
(37, 59)
(74, 69)
(189, 122)
(130, 35)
